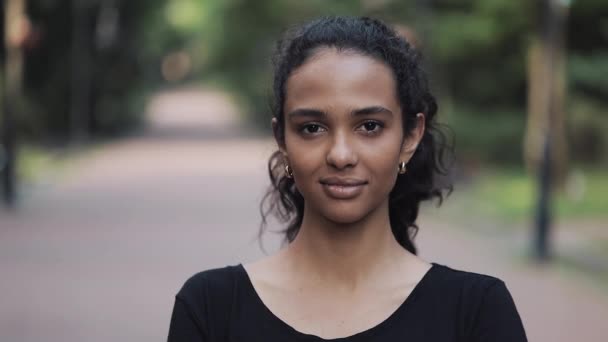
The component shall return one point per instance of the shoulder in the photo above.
(212, 283)
(466, 282)
(482, 302)
(203, 304)
(465, 293)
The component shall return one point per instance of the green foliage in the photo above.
(587, 74)
(476, 52)
(114, 68)
(476, 47)
(587, 122)
(587, 129)
(248, 31)
(510, 196)
(494, 137)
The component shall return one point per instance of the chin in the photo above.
(342, 215)
(342, 212)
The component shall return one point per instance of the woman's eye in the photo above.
(311, 129)
(371, 126)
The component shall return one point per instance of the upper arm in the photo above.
(497, 319)
(202, 307)
(189, 316)
(185, 326)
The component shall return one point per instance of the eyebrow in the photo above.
(307, 112)
(371, 110)
(316, 113)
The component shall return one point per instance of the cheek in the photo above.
(384, 168)
(383, 162)
(304, 159)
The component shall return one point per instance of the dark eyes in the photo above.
(310, 128)
(368, 127)
(371, 126)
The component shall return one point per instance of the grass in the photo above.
(511, 196)
(36, 163)
(503, 201)
(32, 161)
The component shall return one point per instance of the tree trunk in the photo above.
(15, 30)
(80, 95)
(547, 93)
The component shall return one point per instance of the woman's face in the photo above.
(343, 134)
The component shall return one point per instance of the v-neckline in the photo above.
(367, 333)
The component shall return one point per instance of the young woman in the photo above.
(358, 151)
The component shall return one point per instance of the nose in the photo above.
(341, 153)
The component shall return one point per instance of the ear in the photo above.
(410, 143)
(277, 136)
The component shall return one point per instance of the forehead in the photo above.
(341, 80)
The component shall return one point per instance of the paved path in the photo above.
(99, 254)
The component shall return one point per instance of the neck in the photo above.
(345, 255)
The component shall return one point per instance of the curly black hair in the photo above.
(373, 38)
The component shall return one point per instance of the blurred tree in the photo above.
(81, 71)
(16, 31)
(587, 38)
(547, 92)
(241, 48)
(477, 49)
(87, 70)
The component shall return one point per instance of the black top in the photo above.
(221, 305)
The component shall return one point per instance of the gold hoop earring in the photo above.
(288, 171)
(402, 169)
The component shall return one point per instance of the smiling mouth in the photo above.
(343, 191)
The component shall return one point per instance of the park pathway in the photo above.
(98, 254)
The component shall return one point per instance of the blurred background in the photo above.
(135, 137)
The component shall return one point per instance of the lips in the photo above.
(342, 188)
(342, 181)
